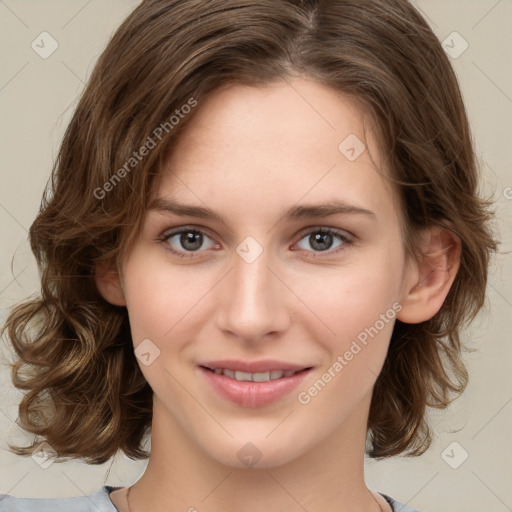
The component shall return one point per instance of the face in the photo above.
(273, 282)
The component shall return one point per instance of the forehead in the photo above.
(233, 114)
(249, 147)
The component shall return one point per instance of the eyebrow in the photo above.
(313, 211)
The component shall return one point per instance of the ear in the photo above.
(428, 281)
(108, 283)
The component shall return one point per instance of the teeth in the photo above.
(255, 377)
(243, 376)
(262, 377)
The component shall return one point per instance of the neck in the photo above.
(180, 476)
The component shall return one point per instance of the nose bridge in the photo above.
(252, 303)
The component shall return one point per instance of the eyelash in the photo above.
(191, 254)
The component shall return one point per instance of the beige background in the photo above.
(37, 97)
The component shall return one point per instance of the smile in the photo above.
(254, 377)
(252, 384)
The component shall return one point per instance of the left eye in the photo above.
(321, 240)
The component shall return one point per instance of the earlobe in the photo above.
(108, 283)
(428, 281)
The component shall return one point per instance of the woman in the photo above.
(260, 244)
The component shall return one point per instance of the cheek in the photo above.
(357, 307)
(360, 313)
(162, 298)
(352, 298)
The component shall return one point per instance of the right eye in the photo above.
(186, 241)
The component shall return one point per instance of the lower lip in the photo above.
(253, 394)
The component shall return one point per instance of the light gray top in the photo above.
(97, 502)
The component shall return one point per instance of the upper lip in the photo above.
(265, 365)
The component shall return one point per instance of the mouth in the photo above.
(256, 376)
(253, 384)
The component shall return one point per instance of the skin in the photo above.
(250, 153)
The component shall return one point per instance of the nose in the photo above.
(252, 300)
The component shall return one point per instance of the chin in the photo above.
(260, 453)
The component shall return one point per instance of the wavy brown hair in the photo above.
(85, 394)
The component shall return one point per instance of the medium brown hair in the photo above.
(85, 393)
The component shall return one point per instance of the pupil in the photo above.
(319, 239)
(195, 239)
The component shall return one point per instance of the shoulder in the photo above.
(96, 502)
(99, 502)
(398, 507)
